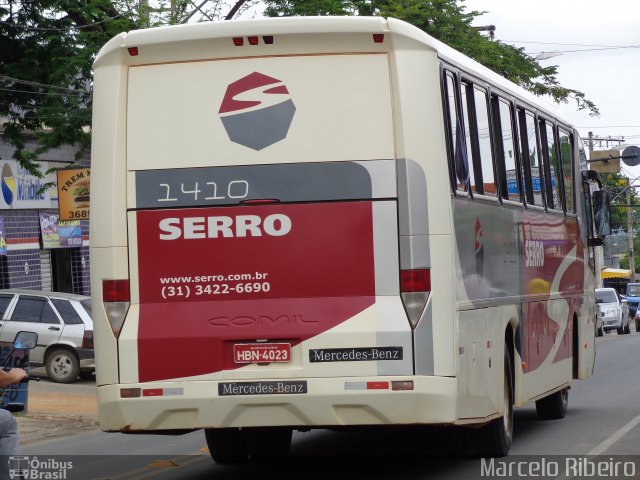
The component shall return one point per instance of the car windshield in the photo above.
(633, 290)
(606, 296)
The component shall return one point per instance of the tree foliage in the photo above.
(449, 22)
(48, 46)
(616, 185)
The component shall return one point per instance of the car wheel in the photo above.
(637, 325)
(626, 328)
(62, 366)
(600, 332)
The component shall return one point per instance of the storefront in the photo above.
(616, 278)
(37, 251)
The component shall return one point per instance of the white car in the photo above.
(614, 310)
(64, 327)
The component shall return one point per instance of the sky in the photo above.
(609, 77)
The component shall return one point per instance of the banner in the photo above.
(59, 234)
(73, 193)
(19, 189)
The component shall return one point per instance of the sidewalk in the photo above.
(55, 415)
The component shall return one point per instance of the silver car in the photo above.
(64, 327)
(614, 310)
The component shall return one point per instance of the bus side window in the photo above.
(457, 141)
(547, 140)
(566, 156)
(531, 167)
(485, 151)
(506, 154)
(471, 136)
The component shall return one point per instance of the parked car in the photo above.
(64, 327)
(599, 329)
(633, 298)
(614, 309)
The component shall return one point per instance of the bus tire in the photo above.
(554, 406)
(268, 444)
(495, 438)
(226, 445)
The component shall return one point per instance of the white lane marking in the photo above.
(604, 446)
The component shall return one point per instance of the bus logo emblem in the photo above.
(257, 111)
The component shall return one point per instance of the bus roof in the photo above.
(191, 36)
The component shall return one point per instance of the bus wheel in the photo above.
(226, 445)
(268, 444)
(494, 439)
(554, 406)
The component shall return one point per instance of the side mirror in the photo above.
(602, 213)
(26, 340)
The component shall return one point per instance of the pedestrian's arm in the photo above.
(13, 376)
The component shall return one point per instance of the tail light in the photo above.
(116, 297)
(415, 287)
(87, 339)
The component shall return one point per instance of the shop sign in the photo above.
(20, 189)
(59, 234)
(73, 193)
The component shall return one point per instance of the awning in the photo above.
(615, 273)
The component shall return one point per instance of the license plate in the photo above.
(261, 352)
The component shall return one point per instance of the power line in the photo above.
(40, 85)
(42, 93)
(588, 49)
(70, 27)
(568, 44)
(614, 126)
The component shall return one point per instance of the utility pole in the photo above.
(143, 6)
(591, 140)
(632, 262)
(617, 142)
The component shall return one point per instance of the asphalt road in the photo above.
(603, 419)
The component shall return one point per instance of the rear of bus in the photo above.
(260, 241)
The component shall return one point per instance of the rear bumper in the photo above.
(612, 323)
(196, 404)
(87, 358)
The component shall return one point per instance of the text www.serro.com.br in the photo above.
(233, 277)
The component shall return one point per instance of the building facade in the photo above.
(37, 250)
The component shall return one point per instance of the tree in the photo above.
(47, 48)
(447, 21)
(615, 184)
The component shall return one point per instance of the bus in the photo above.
(305, 223)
